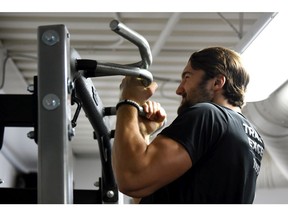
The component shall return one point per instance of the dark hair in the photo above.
(219, 60)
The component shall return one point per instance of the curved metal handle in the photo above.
(136, 39)
(108, 69)
(92, 68)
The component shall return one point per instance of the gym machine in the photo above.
(64, 79)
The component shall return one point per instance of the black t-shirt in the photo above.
(226, 153)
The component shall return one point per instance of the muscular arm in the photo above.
(141, 169)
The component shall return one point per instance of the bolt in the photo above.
(50, 37)
(110, 194)
(30, 88)
(1, 181)
(70, 86)
(97, 184)
(50, 102)
(31, 135)
(71, 132)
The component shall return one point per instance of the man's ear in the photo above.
(220, 81)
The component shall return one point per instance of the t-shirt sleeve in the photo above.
(198, 129)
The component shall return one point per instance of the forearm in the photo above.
(129, 145)
(132, 158)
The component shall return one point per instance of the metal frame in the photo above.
(49, 111)
(55, 169)
(55, 175)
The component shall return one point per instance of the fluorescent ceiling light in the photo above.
(266, 58)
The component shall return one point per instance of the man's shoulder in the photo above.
(206, 109)
(206, 106)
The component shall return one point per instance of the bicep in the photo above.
(169, 157)
(166, 161)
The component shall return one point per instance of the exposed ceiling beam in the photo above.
(249, 37)
(165, 34)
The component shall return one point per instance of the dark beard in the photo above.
(203, 96)
(184, 106)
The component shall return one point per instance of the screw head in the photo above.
(31, 135)
(50, 37)
(50, 102)
(110, 194)
(30, 88)
(70, 86)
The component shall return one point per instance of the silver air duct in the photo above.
(270, 117)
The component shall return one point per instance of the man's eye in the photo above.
(187, 76)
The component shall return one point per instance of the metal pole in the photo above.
(55, 169)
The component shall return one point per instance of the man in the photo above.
(209, 154)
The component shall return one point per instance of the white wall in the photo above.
(271, 196)
(7, 172)
(86, 172)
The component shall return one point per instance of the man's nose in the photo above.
(180, 89)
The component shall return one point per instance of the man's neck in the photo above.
(220, 100)
(234, 108)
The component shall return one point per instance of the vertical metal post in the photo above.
(55, 169)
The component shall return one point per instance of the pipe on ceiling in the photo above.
(173, 20)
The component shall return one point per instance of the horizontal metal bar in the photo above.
(18, 110)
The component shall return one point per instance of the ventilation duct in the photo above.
(270, 117)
